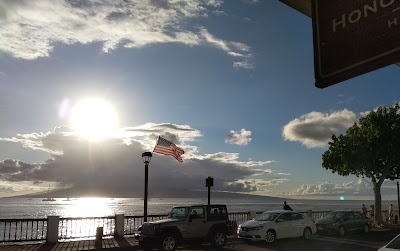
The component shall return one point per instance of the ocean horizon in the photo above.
(16, 208)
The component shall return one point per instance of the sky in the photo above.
(87, 86)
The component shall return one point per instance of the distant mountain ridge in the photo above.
(166, 193)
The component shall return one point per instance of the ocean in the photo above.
(16, 208)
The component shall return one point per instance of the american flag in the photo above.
(166, 147)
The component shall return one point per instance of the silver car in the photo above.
(272, 225)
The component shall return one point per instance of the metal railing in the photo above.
(316, 215)
(85, 227)
(239, 217)
(132, 223)
(12, 230)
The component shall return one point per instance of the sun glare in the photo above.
(89, 207)
(94, 119)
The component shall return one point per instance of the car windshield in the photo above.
(267, 217)
(335, 215)
(178, 212)
(395, 243)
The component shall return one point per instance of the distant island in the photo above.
(162, 193)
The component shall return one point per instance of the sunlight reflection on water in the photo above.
(87, 207)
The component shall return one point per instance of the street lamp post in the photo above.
(209, 184)
(146, 156)
(398, 196)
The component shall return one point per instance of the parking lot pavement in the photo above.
(356, 241)
(359, 242)
(315, 244)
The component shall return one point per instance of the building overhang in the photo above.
(303, 6)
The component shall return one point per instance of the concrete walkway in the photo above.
(125, 243)
(110, 244)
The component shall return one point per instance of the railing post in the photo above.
(98, 243)
(52, 229)
(119, 225)
(309, 214)
(252, 215)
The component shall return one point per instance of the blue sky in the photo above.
(231, 82)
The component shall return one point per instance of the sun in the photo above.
(94, 119)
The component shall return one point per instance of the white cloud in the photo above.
(38, 141)
(251, 1)
(233, 158)
(361, 187)
(117, 161)
(238, 138)
(246, 65)
(219, 13)
(247, 20)
(315, 129)
(365, 113)
(235, 49)
(266, 183)
(3, 75)
(31, 28)
(259, 172)
(12, 188)
(263, 186)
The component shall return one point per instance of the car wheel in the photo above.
(366, 228)
(270, 236)
(169, 242)
(307, 233)
(218, 239)
(342, 231)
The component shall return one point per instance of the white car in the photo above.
(272, 225)
(394, 244)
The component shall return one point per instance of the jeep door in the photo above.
(197, 223)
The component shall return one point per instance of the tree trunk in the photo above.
(378, 203)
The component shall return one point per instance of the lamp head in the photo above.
(146, 156)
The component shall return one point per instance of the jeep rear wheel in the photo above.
(169, 242)
(218, 239)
